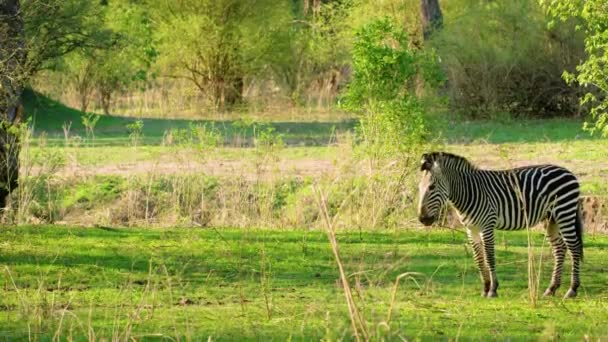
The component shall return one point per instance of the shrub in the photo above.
(386, 73)
(591, 73)
(501, 57)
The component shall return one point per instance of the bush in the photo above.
(501, 56)
(591, 73)
(386, 73)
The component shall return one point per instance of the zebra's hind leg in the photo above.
(559, 253)
(475, 241)
(575, 249)
(571, 231)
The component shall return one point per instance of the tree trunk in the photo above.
(85, 86)
(432, 18)
(12, 77)
(234, 91)
(105, 97)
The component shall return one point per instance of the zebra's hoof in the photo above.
(549, 293)
(492, 294)
(570, 294)
(484, 294)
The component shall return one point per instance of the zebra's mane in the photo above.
(447, 159)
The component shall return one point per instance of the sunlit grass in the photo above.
(199, 283)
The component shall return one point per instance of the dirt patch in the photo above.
(219, 168)
(595, 214)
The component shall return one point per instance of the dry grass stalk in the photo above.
(394, 295)
(358, 324)
(534, 276)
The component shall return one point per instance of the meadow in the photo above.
(248, 170)
(243, 172)
(179, 229)
(70, 283)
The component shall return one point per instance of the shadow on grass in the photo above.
(49, 116)
(236, 259)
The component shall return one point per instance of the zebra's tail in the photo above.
(578, 227)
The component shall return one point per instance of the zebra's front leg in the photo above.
(487, 237)
(478, 255)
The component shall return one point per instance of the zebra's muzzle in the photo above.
(426, 220)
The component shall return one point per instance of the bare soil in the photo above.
(486, 156)
(217, 167)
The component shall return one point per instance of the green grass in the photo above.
(516, 131)
(111, 155)
(263, 285)
(49, 116)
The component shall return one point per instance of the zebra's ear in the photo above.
(426, 163)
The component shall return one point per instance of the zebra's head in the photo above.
(434, 190)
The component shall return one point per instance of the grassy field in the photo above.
(280, 282)
(153, 177)
(277, 285)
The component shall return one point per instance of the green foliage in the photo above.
(267, 139)
(122, 64)
(204, 136)
(207, 135)
(89, 121)
(500, 57)
(91, 192)
(592, 73)
(311, 48)
(383, 89)
(32, 35)
(405, 14)
(136, 131)
(215, 44)
(127, 64)
(56, 28)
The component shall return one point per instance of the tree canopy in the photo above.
(498, 57)
(591, 17)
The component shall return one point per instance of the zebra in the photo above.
(509, 199)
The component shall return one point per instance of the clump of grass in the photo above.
(34, 201)
(268, 198)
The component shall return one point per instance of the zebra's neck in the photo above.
(465, 189)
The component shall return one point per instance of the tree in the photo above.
(432, 18)
(56, 28)
(12, 58)
(592, 73)
(216, 44)
(130, 58)
(31, 36)
(502, 59)
(80, 70)
(125, 61)
(392, 117)
(311, 48)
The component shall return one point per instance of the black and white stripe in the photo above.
(507, 200)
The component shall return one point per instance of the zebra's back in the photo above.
(524, 196)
